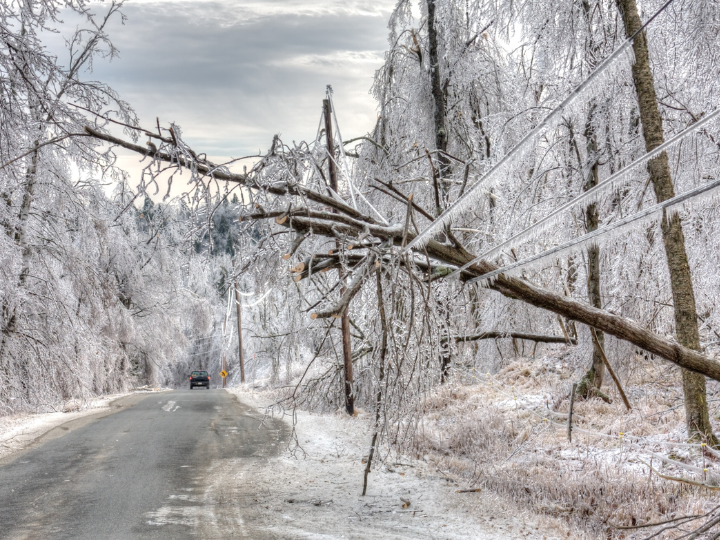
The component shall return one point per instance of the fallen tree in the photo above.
(335, 219)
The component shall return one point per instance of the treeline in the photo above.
(100, 289)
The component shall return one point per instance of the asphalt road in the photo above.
(152, 469)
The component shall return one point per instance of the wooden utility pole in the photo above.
(238, 307)
(345, 318)
(330, 143)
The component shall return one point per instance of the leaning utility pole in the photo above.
(345, 317)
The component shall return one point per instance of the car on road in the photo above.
(199, 378)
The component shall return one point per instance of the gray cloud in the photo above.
(234, 73)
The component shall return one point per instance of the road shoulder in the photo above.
(315, 491)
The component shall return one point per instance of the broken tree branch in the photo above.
(605, 360)
(354, 223)
(514, 335)
(352, 289)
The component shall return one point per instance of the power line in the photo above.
(608, 182)
(464, 200)
(602, 231)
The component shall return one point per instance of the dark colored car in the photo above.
(199, 378)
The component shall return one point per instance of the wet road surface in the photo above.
(153, 469)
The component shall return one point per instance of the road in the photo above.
(153, 469)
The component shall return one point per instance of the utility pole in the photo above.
(330, 143)
(238, 307)
(345, 318)
(223, 373)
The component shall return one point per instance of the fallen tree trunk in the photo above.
(522, 290)
(354, 223)
(514, 335)
(605, 321)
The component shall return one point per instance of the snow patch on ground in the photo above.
(315, 491)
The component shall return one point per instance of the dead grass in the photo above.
(492, 432)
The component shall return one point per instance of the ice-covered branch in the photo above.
(352, 289)
(527, 142)
(512, 335)
(213, 171)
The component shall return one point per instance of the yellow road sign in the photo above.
(223, 373)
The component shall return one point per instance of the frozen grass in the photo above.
(507, 433)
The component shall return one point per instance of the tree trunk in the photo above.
(591, 382)
(438, 94)
(445, 357)
(441, 143)
(696, 411)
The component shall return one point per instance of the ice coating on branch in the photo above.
(579, 94)
(591, 196)
(605, 233)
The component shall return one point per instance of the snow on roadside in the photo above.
(19, 431)
(315, 493)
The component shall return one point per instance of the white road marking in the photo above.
(169, 405)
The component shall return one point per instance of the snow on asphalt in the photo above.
(315, 492)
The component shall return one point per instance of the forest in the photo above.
(514, 274)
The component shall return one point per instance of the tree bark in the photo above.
(697, 418)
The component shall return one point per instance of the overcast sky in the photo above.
(232, 73)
